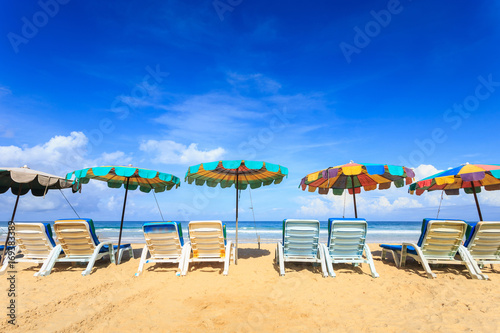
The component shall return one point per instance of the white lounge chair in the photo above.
(78, 240)
(300, 244)
(346, 244)
(483, 243)
(208, 244)
(439, 243)
(165, 244)
(34, 241)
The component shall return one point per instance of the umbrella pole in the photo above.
(354, 197)
(11, 223)
(236, 247)
(121, 224)
(477, 202)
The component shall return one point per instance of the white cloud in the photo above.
(425, 170)
(253, 81)
(4, 91)
(59, 155)
(170, 152)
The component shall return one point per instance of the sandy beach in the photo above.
(253, 297)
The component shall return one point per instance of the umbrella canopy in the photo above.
(23, 180)
(130, 178)
(241, 173)
(470, 177)
(354, 176)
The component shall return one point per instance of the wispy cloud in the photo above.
(170, 152)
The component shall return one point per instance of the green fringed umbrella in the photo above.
(129, 177)
(241, 173)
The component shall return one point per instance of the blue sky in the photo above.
(168, 84)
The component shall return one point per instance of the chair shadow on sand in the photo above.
(414, 267)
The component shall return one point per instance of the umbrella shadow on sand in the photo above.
(246, 253)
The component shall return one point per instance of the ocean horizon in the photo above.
(250, 231)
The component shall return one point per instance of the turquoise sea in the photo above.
(269, 231)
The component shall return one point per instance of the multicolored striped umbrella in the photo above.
(470, 177)
(130, 177)
(241, 173)
(353, 176)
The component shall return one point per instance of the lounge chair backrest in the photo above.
(34, 239)
(300, 238)
(77, 237)
(346, 237)
(208, 238)
(484, 240)
(441, 238)
(164, 239)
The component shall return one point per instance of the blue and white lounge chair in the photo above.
(300, 244)
(165, 244)
(439, 243)
(483, 242)
(346, 244)
(208, 244)
(79, 242)
(34, 241)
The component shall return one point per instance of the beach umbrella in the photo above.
(241, 173)
(130, 178)
(470, 177)
(20, 181)
(354, 176)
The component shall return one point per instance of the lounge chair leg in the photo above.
(370, 262)
(424, 262)
(186, 259)
(322, 258)
(328, 259)
(471, 264)
(227, 258)
(402, 259)
(281, 260)
(6, 260)
(143, 260)
(48, 265)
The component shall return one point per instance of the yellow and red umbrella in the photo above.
(354, 176)
(470, 177)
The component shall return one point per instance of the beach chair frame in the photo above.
(439, 243)
(208, 244)
(300, 243)
(164, 243)
(34, 241)
(79, 243)
(483, 243)
(346, 244)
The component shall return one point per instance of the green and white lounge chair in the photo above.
(300, 244)
(78, 240)
(34, 241)
(439, 243)
(165, 244)
(346, 244)
(208, 244)
(483, 243)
